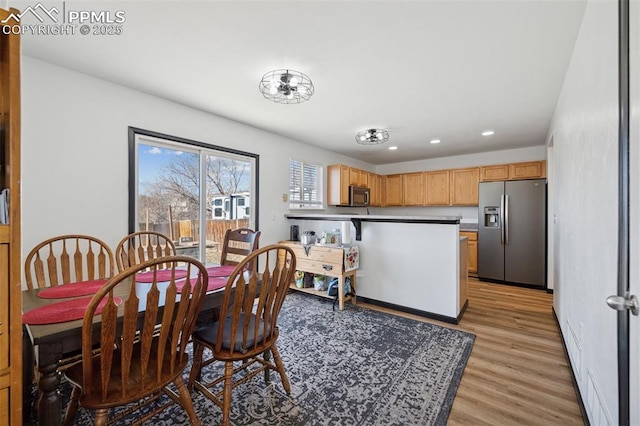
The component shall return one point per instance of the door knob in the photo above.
(620, 303)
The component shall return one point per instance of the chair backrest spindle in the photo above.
(250, 292)
(148, 346)
(68, 258)
(237, 245)
(139, 247)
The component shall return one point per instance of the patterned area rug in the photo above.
(351, 367)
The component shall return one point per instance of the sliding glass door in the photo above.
(190, 191)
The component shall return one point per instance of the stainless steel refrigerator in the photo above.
(512, 232)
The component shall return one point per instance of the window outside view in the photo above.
(171, 199)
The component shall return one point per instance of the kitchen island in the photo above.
(416, 264)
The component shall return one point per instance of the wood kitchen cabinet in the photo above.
(464, 186)
(338, 185)
(413, 189)
(472, 251)
(494, 173)
(10, 252)
(339, 178)
(358, 177)
(382, 190)
(437, 188)
(514, 171)
(457, 187)
(375, 182)
(394, 190)
(528, 170)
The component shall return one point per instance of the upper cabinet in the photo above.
(375, 189)
(340, 177)
(437, 188)
(338, 185)
(358, 177)
(413, 189)
(457, 187)
(464, 186)
(498, 172)
(394, 190)
(514, 171)
(528, 170)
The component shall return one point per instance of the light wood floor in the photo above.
(518, 373)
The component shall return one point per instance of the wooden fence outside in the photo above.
(190, 228)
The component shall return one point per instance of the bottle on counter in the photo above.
(337, 236)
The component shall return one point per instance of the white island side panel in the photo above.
(411, 264)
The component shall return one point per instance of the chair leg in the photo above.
(72, 408)
(228, 388)
(185, 399)
(280, 365)
(196, 368)
(102, 417)
(267, 371)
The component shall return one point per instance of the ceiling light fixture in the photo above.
(488, 133)
(435, 141)
(286, 86)
(372, 137)
(393, 148)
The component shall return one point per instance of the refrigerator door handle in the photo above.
(506, 220)
(502, 219)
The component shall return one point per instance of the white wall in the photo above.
(585, 137)
(75, 153)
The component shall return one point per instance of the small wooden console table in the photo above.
(324, 260)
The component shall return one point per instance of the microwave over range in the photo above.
(358, 196)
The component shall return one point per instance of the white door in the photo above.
(629, 321)
(634, 140)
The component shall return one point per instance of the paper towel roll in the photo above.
(345, 232)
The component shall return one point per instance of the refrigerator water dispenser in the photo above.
(492, 217)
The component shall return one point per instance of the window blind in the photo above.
(305, 185)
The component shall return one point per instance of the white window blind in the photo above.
(305, 185)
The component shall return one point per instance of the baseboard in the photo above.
(491, 280)
(583, 409)
(426, 314)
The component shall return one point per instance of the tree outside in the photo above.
(169, 189)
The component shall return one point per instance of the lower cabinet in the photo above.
(472, 251)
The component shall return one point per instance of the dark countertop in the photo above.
(452, 220)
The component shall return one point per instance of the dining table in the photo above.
(58, 339)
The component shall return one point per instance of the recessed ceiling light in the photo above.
(393, 148)
(488, 133)
(435, 140)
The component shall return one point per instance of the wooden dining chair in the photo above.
(62, 260)
(247, 331)
(138, 247)
(136, 363)
(66, 259)
(237, 245)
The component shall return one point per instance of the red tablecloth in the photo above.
(161, 275)
(215, 283)
(83, 288)
(68, 310)
(220, 271)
